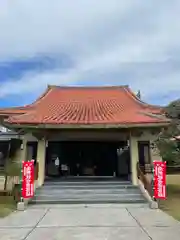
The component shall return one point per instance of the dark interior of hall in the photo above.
(84, 157)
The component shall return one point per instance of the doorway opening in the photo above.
(88, 158)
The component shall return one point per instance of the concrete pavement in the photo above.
(106, 222)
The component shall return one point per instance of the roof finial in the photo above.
(138, 94)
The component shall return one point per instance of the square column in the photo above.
(41, 155)
(134, 155)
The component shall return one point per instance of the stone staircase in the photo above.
(86, 190)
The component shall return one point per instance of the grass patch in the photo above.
(172, 204)
(7, 205)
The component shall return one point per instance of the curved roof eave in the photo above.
(151, 110)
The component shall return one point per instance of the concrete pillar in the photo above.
(41, 155)
(134, 154)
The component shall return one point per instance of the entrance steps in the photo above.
(87, 190)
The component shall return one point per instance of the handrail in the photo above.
(147, 184)
(36, 171)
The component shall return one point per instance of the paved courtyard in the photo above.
(101, 222)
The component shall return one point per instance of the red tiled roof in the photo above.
(88, 105)
(11, 111)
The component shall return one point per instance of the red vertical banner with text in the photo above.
(28, 179)
(159, 179)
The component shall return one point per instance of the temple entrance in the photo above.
(88, 158)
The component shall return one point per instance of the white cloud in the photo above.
(32, 27)
(100, 36)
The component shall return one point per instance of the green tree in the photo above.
(170, 150)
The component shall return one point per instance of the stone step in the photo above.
(89, 195)
(86, 183)
(89, 186)
(88, 201)
(85, 178)
(86, 191)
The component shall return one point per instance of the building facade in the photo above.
(94, 131)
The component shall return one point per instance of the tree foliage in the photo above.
(170, 150)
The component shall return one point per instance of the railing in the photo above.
(8, 185)
(12, 180)
(12, 186)
(145, 180)
(147, 168)
(36, 171)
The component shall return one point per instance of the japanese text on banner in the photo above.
(28, 179)
(159, 179)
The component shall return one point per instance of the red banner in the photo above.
(28, 179)
(159, 179)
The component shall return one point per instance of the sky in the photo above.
(89, 42)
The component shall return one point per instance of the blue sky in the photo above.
(89, 42)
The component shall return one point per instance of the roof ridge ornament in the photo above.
(138, 94)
